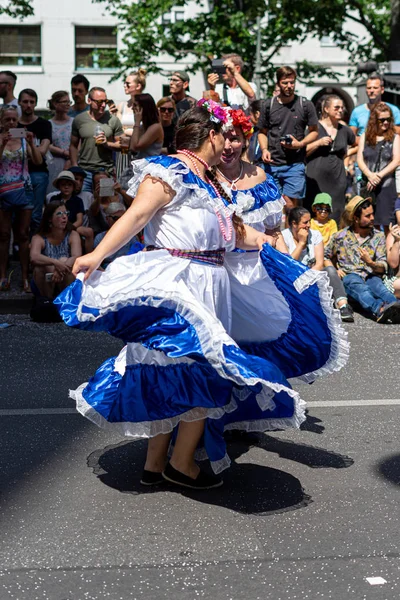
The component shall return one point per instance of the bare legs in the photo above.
(189, 434)
(5, 236)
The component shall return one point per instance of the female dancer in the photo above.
(253, 194)
(173, 308)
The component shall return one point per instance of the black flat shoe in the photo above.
(203, 481)
(151, 478)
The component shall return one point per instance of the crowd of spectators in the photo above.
(64, 180)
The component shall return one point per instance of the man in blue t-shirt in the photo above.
(359, 117)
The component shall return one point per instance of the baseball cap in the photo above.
(182, 75)
(323, 198)
(113, 208)
(77, 170)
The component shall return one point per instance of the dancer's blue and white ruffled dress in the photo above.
(202, 341)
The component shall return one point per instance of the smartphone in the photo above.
(110, 102)
(286, 139)
(107, 187)
(48, 277)
(17, 132)
(218, 66)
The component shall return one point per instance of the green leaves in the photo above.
(16, 8)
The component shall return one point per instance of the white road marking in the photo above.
(17, 412)
(376, 580)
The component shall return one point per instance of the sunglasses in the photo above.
(61, 213)
(385, 120)
(320, 209)
(168, 110)
(67, 102)
(98, 102)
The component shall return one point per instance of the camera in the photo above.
(286, 139)
(218, 66)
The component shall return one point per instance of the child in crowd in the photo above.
(66, 183)
(322, 208)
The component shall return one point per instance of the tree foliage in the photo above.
(16, 8)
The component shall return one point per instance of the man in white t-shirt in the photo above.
(235, 91)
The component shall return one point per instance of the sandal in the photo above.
(4, 285)
(26, 286)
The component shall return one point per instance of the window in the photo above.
(20, 45)
(173, 17)
(165, 90)
(95, 47)
(327, 41)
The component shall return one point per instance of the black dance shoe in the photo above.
(151, 478)
(203, 481)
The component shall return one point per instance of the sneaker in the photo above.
(203, 481)
(151, 478)
(390, 314)
(346, 314)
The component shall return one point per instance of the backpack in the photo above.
(268, 108)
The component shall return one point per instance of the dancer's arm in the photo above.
(253, 239)
(153, 194)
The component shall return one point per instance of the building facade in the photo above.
(66, 38)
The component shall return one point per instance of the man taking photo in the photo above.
(282, 126)
(235, 91)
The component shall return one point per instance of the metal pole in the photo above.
(257, 78)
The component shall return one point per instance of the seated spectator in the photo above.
(397, 212)
(61, 125)
(148, 135)
(96, 214)
(166, 108)
(392, 282)
(359, 254)
(54, 250)
(235, 91)
(15, 203)
(322, 209)
(306, 245)
(86, 197)
(113, 212)
(66, 183)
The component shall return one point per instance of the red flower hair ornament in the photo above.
(239, 119)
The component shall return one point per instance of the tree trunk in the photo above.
(394, 45)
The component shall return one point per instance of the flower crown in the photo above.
(218, 114)
(240, 119)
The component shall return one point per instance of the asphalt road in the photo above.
(303, 514)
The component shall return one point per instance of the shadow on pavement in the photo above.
(390, 469)
(312, 424)
(248, 488)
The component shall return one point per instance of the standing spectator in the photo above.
(378, 156)
(306, 245)
(61, 125)
(325, 157)
(147, 137)
(41, 129)
(134, 84)
(8, 79)
(96, 133)
(166, 108)
(359, 254)
(54, 250)
(178, 84)
(79, 90)
(253, 152)
(235, 91)
(374, 89)
(282, 138)
(15, 205)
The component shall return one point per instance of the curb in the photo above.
(16, 306)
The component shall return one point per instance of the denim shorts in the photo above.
(290, 179)
(15, 200)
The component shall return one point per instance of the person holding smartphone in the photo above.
(97, 134)
(282, 136)
(234, 90)
(16, 146)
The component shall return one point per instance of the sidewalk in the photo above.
(15, 301)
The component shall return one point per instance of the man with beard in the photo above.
(95, 137)
(8, 79)
(374, 89)
(359, 254)
(282, 125)
(79, 90)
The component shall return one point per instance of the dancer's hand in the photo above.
(264, 239)
(86, 264)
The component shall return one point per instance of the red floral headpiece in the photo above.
(240, 119)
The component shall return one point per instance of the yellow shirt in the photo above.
(325, 229)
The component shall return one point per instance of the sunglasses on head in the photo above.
(165, 109)
(385, 120)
